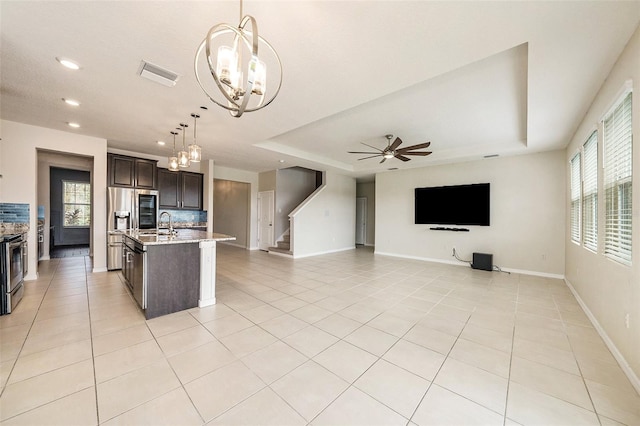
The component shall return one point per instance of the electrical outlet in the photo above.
(626, 320)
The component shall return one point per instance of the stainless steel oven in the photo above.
(11, 272)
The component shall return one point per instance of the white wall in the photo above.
(326, 223)
(608, 289)
(293, 185)
(368, 190)
(251, 178)
(19, 183)
(527, 213)
(231, 209)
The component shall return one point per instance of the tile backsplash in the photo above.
(14, 213)
(187, 216)
(14, 218)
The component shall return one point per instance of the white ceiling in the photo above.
(474, 78)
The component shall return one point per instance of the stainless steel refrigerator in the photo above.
(128, 209)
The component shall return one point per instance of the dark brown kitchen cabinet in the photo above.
(131, 172)
(180, 190)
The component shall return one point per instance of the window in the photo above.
(617, 182)
(590, 193)
(575, 198)
(76, 201)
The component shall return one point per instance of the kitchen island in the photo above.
(171, 272)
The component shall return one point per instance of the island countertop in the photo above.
(182, 236)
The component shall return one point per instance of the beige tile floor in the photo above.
(342, 339)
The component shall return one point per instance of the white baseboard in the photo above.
(277, 253)
(103, 269)
(459, 263)
(31, 277)
(233, 244)
(323, 252)
(535, 273)
(628, 371)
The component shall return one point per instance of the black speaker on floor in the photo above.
(482, 261)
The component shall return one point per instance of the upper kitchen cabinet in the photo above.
(131, 172)
(180, 190)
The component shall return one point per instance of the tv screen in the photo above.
(453, 205)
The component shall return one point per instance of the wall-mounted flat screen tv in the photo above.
(453, 205)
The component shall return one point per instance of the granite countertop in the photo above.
(182, 236)
(13, 228)
(181, 225)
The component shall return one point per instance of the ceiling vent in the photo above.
(158, 74)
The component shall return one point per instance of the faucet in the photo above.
(171, 231)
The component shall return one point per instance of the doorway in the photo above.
(70, 212)
(266, 203)
(80, 169)
(361, 220)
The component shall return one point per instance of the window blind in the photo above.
(617, 182)
(575, 198)
(590, 193)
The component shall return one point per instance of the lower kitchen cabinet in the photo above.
(163, 278)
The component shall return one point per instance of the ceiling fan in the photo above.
(392, 150)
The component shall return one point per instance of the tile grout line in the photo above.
(22, 347)
(93, 357)
(584, 382)
(513, 342)
(383, 354)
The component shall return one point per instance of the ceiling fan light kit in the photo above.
(393, 151)
(238, 72)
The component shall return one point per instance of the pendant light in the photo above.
(173, 160)
(240, 85)
(195, 152)
(183, 156)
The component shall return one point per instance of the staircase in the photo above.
(283, 246)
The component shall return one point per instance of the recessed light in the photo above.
(71, 102)
(282, 161)
(68, 63)
(160, 142)
(74, 125)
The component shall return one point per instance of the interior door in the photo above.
(361, 220)
(266, 213)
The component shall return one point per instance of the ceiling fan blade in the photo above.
(402, 157)
(370, 146)
(419, 146)
(362, 152)
(383, 160)
(364, 158)
(423, 153)
(395, 144)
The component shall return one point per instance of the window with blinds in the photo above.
(590, 193)
(617, 182)
(575, 198)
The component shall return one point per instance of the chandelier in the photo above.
(238, 72)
